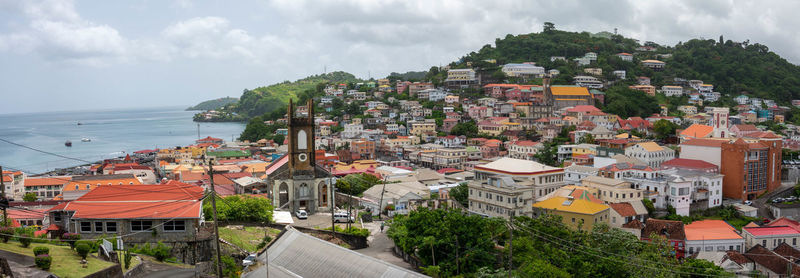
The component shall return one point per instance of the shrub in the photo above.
(39, 250)
(264, 242)
(83, 249)
(43, 261)
(127, 259)
(161, 252)
(93, 245)
(25, 240)
(6, 233)
(71, 238)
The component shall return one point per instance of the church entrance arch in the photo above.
(283, 194)
(323, 194)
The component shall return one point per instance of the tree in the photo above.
(461, 194)
(30, 197)
(549, 27)
(469, 129)
(278, 139)
(664, 129)
(588, 139)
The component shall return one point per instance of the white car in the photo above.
(748, 202)
(301, 214)
(250, 259)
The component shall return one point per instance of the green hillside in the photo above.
(261, 100)
(213, 104)
(732, 67)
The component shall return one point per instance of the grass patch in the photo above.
(247, 238)
(66, 262)
(135, 260)
(167, 262)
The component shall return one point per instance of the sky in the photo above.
(89, 55)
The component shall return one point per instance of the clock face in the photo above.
(302, 157)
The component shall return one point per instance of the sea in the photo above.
(113, 133)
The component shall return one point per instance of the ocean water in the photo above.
(113, 133)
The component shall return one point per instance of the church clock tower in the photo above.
(301, 141)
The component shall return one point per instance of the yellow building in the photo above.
(565, 96)
(575, 213)
(423, 128)
(581, 149)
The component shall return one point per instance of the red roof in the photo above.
(704, 142)
(209, 139)
(146, 151)
(26, 214)
(688, 164)
(783, 221)
(47, 181)
(583, 108)
(623, 209)
(448, 170)
(162, 201)
(771, 230)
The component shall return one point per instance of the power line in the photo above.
(43, 151)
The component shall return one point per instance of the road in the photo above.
(23, 266)
(158, 270)
(761, 203)
(320, 220)
(380, 246)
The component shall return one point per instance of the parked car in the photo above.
(301, 214)
(748, 202)
(250, 259)
(342, 217)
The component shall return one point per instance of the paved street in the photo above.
(760, 203)
(320, 220)
(380, 246)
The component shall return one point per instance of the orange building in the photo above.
(750, 168)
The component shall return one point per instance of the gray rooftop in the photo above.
(296, 254)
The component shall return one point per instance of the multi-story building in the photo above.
(415, 87)
(545, 179)
(501, 196)
(588, 81)
(524, 149)
(654, 64)
(750, 168)
(613, 190)
(523, 70)
(366, 149)
(625, 56)
(651, 153)
(352, 130)
(672, 91)
(423, 128)
(450, 158)
(45, 188)
(460, 78)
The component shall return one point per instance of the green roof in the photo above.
(223, 154)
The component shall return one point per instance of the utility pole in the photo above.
(511, 247)
(214, 207)
(333, 198)
(198, 130)
(380, 205)
(3, 199)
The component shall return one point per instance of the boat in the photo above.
(68, 143)
(79, 123)
(86, 140)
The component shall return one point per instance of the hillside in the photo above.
(266, 99)
(213, 104)
(732, 67)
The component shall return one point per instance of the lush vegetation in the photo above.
(256, 130)
(262, 100)
(461, 194)
(30, 197)
(352, 230)
(356, 184)
(63, 261)
(239, 208)
(160, 251)
(452, 243)
(247, 238)
(213, 104)
(626, 102)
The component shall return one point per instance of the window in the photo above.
(573, 220)
(111, 227)
(175, 225)
(794, 241)
(57, 217)
(98, 227)
(764, 243)
(709, 248)
(141, 225)
(86, 227)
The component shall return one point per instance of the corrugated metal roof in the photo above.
(296, 254)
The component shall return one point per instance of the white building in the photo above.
(588, 81)
(627, 57)
(352, 130)
(651, 153)
(620, 74)
(672, 91)
(712, 236)
(575, 173)
(525, 69)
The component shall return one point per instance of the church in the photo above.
(298, 182)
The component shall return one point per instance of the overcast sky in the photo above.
(65, 55)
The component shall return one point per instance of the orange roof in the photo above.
(710, 230)
(47, 181)
(569, 91)
(623, 209)
(697, 131)
(92, 184)
(161, 201)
